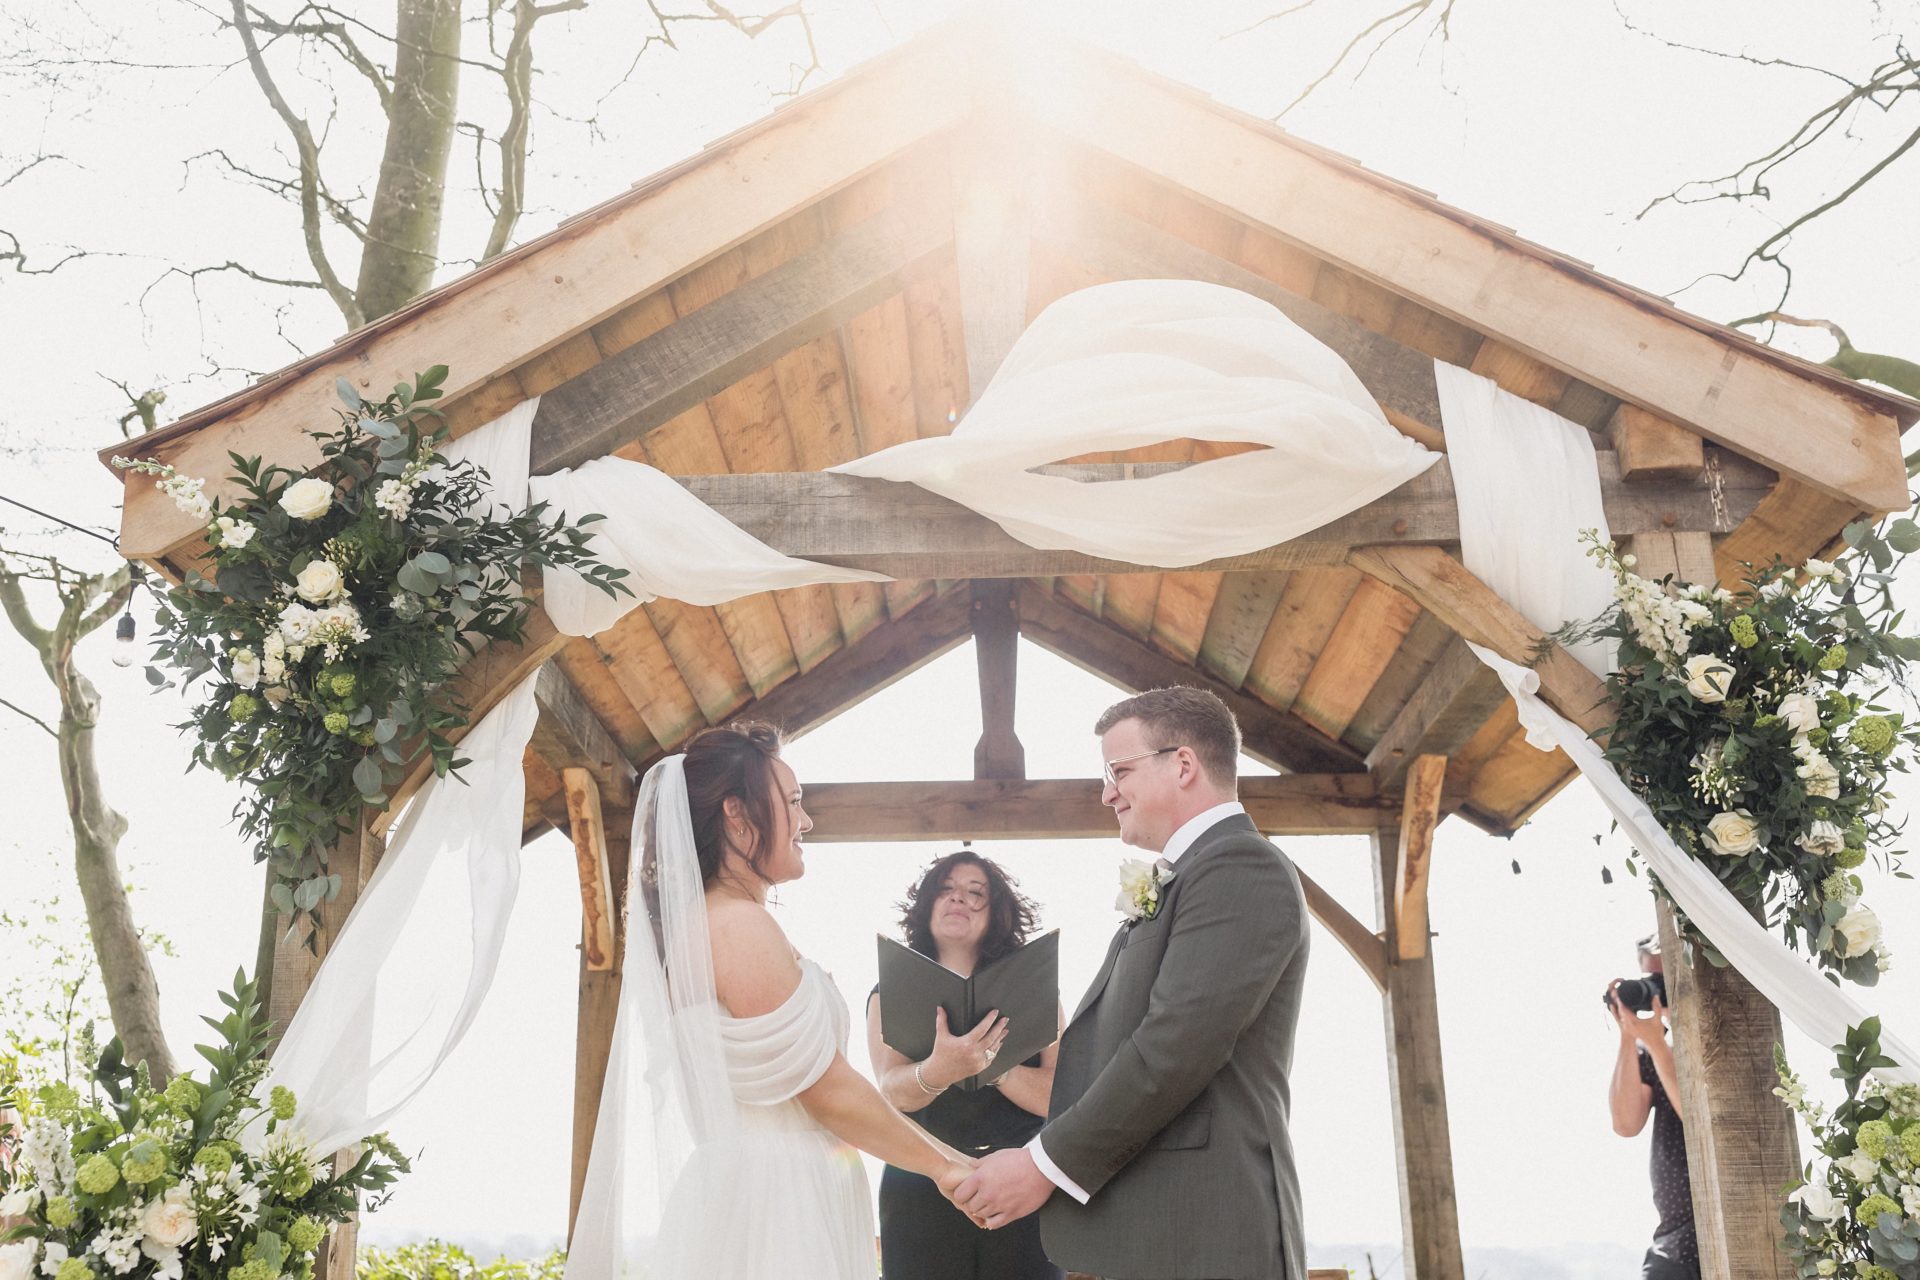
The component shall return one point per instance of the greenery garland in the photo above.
(1752, 725)
(332, 614)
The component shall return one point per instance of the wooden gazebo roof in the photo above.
(842, 276)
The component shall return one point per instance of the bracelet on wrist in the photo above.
(921, 1080)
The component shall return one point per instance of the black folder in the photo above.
(1024, 985)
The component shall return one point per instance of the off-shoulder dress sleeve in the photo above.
(777, 1055)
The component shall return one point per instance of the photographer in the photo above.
(1644, 1083)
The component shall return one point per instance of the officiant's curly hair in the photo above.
(1011, 914)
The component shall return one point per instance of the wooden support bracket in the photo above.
(599, 939)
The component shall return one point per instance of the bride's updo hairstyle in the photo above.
(735, 761)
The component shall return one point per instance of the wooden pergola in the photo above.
(846, 274)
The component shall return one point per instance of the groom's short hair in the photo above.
(1183, 717)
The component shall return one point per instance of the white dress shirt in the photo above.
(1182, 840)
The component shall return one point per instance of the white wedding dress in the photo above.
(777, 1197)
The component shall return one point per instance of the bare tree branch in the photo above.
(1394, 23)
(44, 726)
(1901, 374)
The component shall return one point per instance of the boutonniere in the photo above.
(1140, 888)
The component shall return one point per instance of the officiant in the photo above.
(964, 912)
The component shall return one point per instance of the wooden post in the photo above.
(1417, 820)
(996, 646)
(599, 1003)
(587, 824)
(294, 966)
(1429, 1216)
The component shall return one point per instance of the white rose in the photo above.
(295, 652)
(244, 666)
(16, 1259)
(307, 499)
(1818, 1201)
(18, 1204)
(1818, 568)
(1732, 834)
(1800, 711)
(1136, 878)
(1821, 778)
(170, 1222)
(235, 533)
(1708, 678)
(319, 582)
(1861, 928)
(1860, 1166)
(1823, 838)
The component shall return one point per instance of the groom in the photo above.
(1167, 1134)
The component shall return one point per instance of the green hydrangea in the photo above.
(60, 1101)
(1849, 858)
(258, 1269)
(336, 722)
(98, 1175)
(1835, 885)
(343, 684)
(215, 1160)
(296, 1180)
(363, 737)
(1766, 720)
(183, 1095)
(1872, 733)
(306, 1234)
(1874, 1271)
(1874, 1137)
(1910, 1143)
(243, 708)
(283, 1102)
(1834, 659)
(1818, 737)
(74, 1269)
(61, 1212)
(1873, 1206)
(1745, 633)
(145, 1162)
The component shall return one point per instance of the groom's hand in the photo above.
(1005, 1188)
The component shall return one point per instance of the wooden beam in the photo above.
(1443, 587)
(588, 827)
(1272, 737)
(1419, 815)
(1451, 704)
(662, 376)
(1649, 446)
(1742, 1147)
(907, 532)
(1067, 809)
(1122, 247)
(1416, 1084)
(551, 289)
(1362, 943)
(1628, 344)
(599, 1008)
(568, 735)
(996, 644)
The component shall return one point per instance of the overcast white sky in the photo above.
(1555, 119)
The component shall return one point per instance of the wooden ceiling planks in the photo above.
(586, 669)
(1242, 611)
(640, 664)
(1310, 608)
(1411, 662)
(1364, 641)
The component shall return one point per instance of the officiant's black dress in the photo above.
(923, 1237)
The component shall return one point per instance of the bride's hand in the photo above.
(954, 1172)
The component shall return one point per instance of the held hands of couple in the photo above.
(958, 1057)
(1005, 1187)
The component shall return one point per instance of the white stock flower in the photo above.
(1733, 835)
(307, 499)
(235, 533)
(1860, 1166)
(272, 669)
(296, 629)
(1861, 929)
(56, 1253)
(1910, 1200)
(1800, 711)
(1823, 837)
(395, 497)
(170, 1222)
(16, 1259)
(1693, 613)
(165, 1259)
(1708, 678)
(320, 582)
(274, 646)
(1818, 1201)
(243, 665)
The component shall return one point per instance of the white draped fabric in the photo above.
(1109, 368)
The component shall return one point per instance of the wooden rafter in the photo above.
(1451, 704)
(996, 643)
(1362, 943)
(569, 736)
(1068, 809)
(587, 823)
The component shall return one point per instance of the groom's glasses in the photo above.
(1108, 774)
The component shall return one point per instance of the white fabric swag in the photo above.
(1112, 367)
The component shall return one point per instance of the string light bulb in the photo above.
(123, 647)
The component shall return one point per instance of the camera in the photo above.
(1637, 993)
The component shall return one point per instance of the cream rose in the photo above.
(1800, 711)
(1860, 1166)
(1861, 929)
(1823, 838)
(1708, 678)
(1136, 880)
(170, 1222)
(1818, 568)
(307, 499)
(1732, 834)
(16, 1259)
(1820, 777)
(244, 666)
(319, 582)
(1818, 1201)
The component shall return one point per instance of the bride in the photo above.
(730, 1052)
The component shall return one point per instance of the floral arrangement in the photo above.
(202, 1180)
(332, 613)
(1140, 885)
(1750, 723)
(1859, 1219)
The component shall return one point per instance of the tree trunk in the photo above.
(403, 231)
